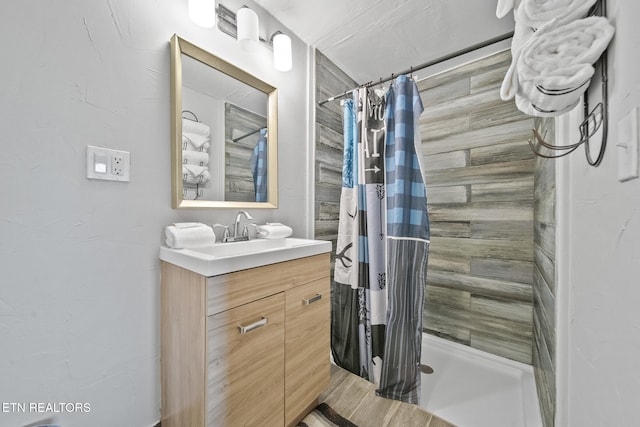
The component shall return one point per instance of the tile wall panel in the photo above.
(480, 186)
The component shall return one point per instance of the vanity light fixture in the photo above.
(281, 51)
(247, 29)
(243, 26)
(203, 12)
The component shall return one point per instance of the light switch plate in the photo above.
(628, 146)
(106, 164)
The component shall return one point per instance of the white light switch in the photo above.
(100, 162)
(628, 146)
(106, 164)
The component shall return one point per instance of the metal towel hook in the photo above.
(593, 120)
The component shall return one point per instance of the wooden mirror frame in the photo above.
(180, 46)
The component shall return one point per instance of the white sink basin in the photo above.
(224, 258)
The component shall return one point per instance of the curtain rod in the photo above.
(246, 135)
(425, 65)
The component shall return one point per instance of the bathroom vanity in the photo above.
(248, 346)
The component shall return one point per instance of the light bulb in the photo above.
(282, 52)
(203, 12)
(247, 25)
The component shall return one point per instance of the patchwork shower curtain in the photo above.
(382, 246)
(258, 163)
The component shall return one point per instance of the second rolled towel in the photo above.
(555, 67)
(273, 230)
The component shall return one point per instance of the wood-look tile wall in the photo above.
(544, 279)
(491, 273)
(480, 189)
(239, 185)
(480, 184)
(330, 80)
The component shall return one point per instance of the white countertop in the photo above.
(222, 258)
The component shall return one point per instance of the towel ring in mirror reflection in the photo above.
(195, 118)
(197, 192)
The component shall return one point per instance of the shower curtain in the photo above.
(258, 164)
(382, 246)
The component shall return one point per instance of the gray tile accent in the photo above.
(544, 284)
(491, 273)
(480, 189)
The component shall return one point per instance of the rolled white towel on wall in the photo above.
(193, 142)
(504, 6)
(555, 66)
(530, 15)
(193, 174)
(195, 158)
(196, 128)
(273, 230)
(521, 36)
(189, 235)
(536, 13)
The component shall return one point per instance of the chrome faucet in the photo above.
(245, 232)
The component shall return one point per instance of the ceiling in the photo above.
(370, 39)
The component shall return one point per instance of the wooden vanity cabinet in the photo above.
(307, 344)
(245, 348)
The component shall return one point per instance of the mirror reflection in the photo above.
(246, 144)
(225, 133)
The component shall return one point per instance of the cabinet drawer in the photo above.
(241, 287)
(307, 346)
(245, 375)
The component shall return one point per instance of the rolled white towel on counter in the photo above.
(193, 174)
(187, 224)
(555, 66)
(195, 128)
(197, 158)
(189, 235)
(273, 230)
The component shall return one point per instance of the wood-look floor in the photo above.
(355, 398)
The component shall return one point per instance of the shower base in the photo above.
(472, 388)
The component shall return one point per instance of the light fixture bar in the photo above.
(227, 21)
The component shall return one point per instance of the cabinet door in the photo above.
(245, 384)
(307, 346)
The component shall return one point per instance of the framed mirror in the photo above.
(224, 133)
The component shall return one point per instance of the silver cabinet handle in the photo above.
(311, 300)
(255, 325)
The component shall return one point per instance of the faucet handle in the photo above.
(226, 233)
(252, 230)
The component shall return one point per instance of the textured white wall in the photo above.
(79, 269)
(599, 382)
(79, 272)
